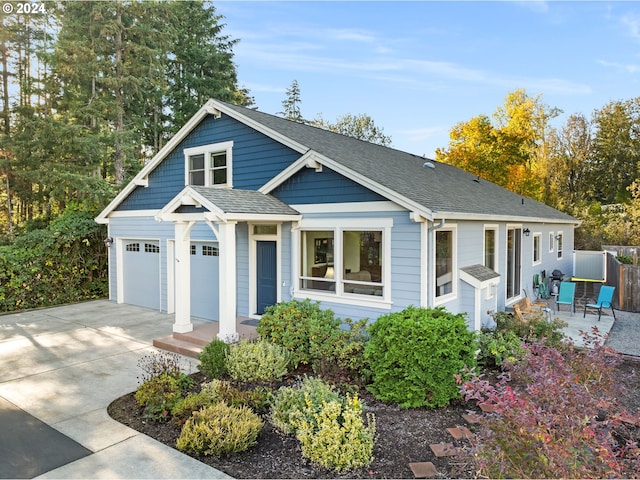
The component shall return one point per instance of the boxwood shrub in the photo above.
(413, 355)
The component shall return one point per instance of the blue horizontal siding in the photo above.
(308, 186)
(256, 160)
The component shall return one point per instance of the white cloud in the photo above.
(625, 67)
(632, 23)
(347, 34)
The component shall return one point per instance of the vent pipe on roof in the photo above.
(428, 165)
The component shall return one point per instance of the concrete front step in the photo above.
(191, 343)
(175, 345)
(201, 335)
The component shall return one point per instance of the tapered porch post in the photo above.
(182, 282)
(227, 281)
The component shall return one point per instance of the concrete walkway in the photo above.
(64, 366)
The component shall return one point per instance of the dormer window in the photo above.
(209, 165)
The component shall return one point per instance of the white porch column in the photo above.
(182, 282)
(227, 281)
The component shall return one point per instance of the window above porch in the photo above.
(209, 165)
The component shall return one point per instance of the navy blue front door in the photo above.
(267, 276)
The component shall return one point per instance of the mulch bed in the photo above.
(404, 437)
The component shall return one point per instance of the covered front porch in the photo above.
(223, 210)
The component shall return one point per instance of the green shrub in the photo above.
(625, 259)
(301, 327)
(497, 347)
(185, 406)
(257, 361)
(535, 327)
(213, 359)
(158, 395)
(413, 356)
(259, 399)
(292, 405)
(343, 350)
(219, 429)
(336, 436)
(63, 262)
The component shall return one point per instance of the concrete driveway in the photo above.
(59, 370)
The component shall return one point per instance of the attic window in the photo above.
(209, 165)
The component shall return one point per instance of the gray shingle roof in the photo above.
(244, 201)
(443, 189)
(480, 272)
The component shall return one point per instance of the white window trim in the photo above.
(511, 300)
(208, 150)
(495, 228)
(552, 239)
(253, 241)
(439, 300)
(560, 252)
(338, 226)
(533, 248)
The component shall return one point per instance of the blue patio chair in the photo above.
(566, 295)
(605, 300)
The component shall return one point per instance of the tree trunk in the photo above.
(119, 121)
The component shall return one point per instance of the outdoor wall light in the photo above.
(526, 232)
(108, 242)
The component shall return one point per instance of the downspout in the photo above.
(436, 227)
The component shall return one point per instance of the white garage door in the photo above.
(141, 273)
(204, 280)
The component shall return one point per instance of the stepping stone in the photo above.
(443, 449)
(486, 408)
(423, 470)
(461, 432)
(627, 418)
(471, 417)
(468, 434)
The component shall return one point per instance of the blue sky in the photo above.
(420, 67)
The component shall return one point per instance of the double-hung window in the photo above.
(346, 261)
(209, 165)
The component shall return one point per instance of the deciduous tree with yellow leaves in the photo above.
(508, 149)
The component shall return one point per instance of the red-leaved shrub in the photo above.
(555, 415)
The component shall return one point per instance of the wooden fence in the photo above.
(626, 278)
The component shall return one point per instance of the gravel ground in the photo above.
(625, 334)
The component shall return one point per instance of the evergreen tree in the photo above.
(291, 104)
(200, 63)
